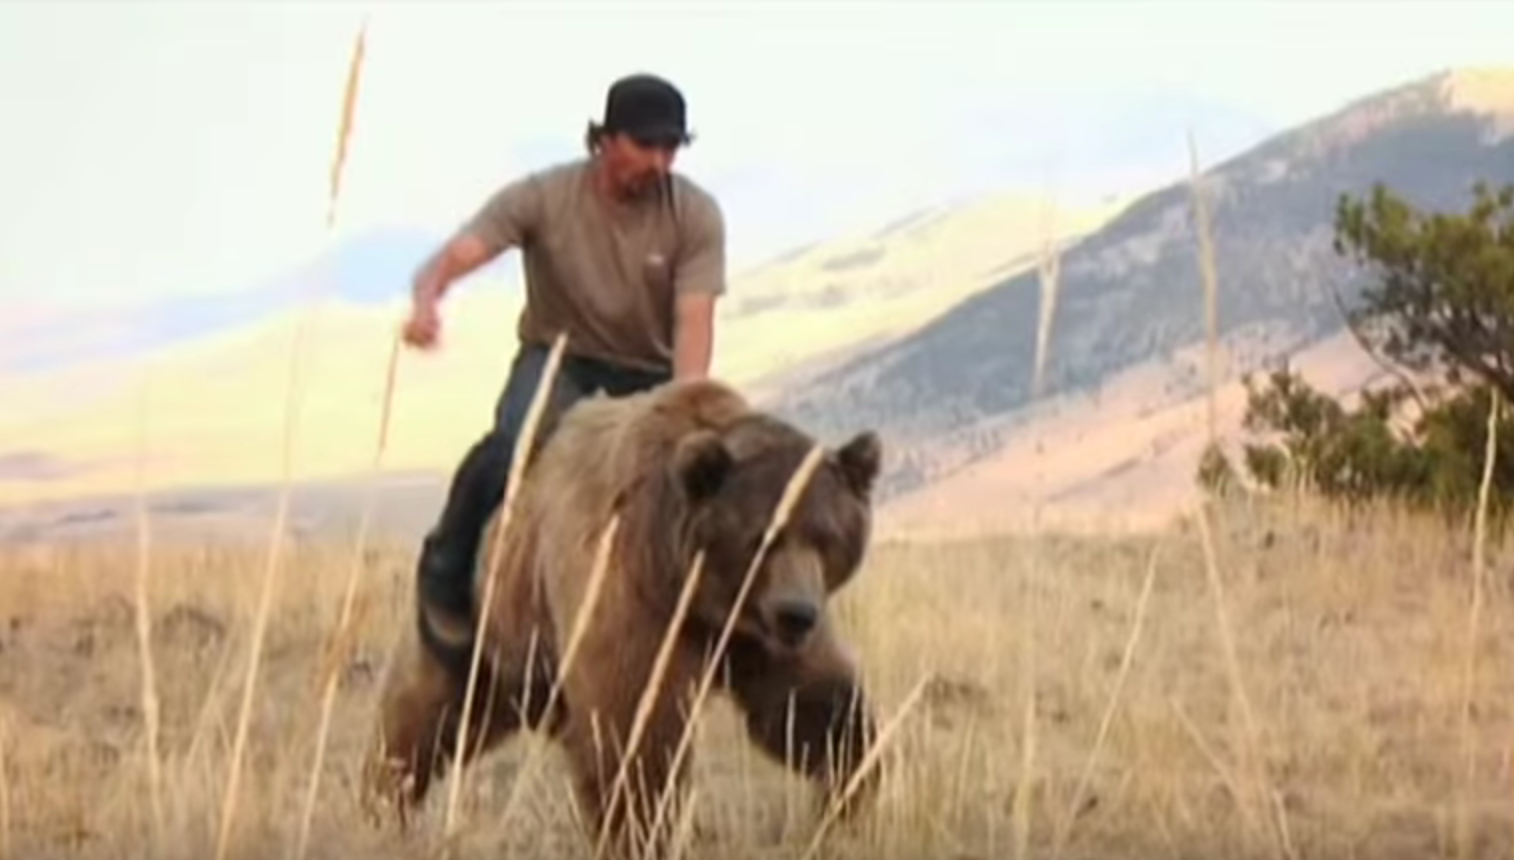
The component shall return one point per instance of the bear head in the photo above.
(730, 483)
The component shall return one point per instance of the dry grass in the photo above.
(1328, 722)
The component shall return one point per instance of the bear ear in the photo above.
(860, 460)
(700, 464)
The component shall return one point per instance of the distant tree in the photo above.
(1443, 298)
(1438, 313)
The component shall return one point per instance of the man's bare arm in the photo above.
(699, 285)
(693, 335)
(505, 221)
(459, 257)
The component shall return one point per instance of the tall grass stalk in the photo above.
(1126, 658)
(150, 710)
(1211, 287)
(523, 446)
(294, 397)
(1050, 267)
(1253, 766)
(871, 760)
(344, 637)
(1024, 796)
(653, 690)
(683, 835)
(6, 781)
(580, 626)
(1474, 624)
(274, 555)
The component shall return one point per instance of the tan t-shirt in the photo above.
(606, 273)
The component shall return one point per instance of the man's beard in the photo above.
(644, 184)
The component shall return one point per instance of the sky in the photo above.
(161, 149)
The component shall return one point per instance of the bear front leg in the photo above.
(623, 820)
(619, 790)
(418, 725)
(409, 737)
(811, 714)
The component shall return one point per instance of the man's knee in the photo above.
(496, 450)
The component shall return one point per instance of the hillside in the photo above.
(217, 400)
(1130, 294)
(1122, 461)
(816, 305)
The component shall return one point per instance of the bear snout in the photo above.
(794, 619)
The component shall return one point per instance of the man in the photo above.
(622, 255)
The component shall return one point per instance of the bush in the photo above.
(1440, 307)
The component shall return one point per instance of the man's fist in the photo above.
(423, 326)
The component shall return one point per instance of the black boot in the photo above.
(444, 603)
(449, 554)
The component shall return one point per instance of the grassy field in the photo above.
(1281, 682)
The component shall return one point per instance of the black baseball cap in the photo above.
(647, 108)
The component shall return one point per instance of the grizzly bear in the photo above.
(689, 468)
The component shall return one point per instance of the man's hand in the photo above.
(459, 257)
(424, 325)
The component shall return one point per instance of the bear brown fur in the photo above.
(688, 467)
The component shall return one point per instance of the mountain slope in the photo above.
(811, 307)
(1123, 460)
(1131, 291)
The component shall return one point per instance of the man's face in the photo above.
(636, 167)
